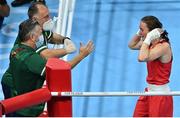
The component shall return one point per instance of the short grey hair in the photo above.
(27, 29)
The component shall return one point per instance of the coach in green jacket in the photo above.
(28, 67)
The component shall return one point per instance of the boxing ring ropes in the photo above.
(58, 93)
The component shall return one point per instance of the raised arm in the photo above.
(147, 54)
(84, 51)
(136, 42)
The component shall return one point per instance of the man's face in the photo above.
(43, 14)
(38, 32)
(36, 35)
(143, 29)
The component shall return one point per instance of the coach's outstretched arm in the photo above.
(84, 51)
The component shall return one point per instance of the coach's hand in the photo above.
(85, 50)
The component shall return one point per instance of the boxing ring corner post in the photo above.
(58, 78)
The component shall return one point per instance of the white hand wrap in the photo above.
(69, 46)
(154, 34)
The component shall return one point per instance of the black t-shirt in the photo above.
(3, 2)
(1, 21)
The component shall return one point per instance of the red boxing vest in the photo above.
(158, 72)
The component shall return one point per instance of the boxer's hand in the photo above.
(154, 34)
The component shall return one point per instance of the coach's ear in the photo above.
(35, 18)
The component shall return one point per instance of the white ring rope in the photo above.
(106, 94)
